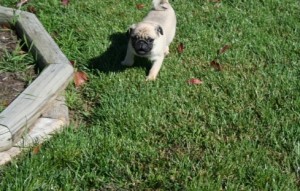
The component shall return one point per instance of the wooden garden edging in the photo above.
(18, 117)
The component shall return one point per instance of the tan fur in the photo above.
(159, 5)
(162, 16)
(142, 30)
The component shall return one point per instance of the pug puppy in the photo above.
(151, 37)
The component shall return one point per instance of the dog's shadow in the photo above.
(110, 60)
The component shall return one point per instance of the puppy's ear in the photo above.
(131, 28)
(159, 30)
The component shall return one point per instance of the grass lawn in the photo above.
(16, 66)
(239, 130)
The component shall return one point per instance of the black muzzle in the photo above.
(141, 46)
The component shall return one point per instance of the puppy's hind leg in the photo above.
(155, 69)
(129, 58)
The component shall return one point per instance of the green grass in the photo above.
(239, 130)
(15, 62)
(14, 58)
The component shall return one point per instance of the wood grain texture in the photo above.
(37, 135)
(44, 47)
(18, 117)
(8, 15)
(5, 138)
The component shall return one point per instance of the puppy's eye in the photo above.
(134, 38)
(150, 39)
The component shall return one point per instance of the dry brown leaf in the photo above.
(31, 9)
(80, 78)
(224, 49)
(5, 26)
(195, 81)
(180, 48)
(140, 6)
(36, 149)
(65, 2)
(216, 65)
(5, 103)
(21, 52)
(73, 62)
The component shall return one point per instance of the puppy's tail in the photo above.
(160, 5)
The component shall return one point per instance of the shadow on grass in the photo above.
(110, 60)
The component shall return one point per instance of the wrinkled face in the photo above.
(142, 46)
(143, 37)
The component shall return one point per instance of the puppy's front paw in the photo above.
(151, 78)
(126, 63)
(166, 52)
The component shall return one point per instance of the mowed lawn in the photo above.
(238, 130)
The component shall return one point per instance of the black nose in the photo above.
(141, 45)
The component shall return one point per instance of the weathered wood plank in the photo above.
(44, 48)
(37, 135)
(30, 28)
(29, 105)
(7, 15)
(5, 138)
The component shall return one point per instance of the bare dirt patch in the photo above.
(12, 83)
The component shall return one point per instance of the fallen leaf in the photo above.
(36, 149)
(21, 52)
(5, 103)
(140, 6)
(195, 81)
(180, 48)
(73, 62)
(55, 34)
(216, 65)
(22, 2)
(5, 26)
(224, 49)
(65, 2)
(80, 78)
(31, 9)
